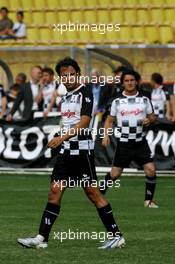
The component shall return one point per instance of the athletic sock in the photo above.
(107, 218)
(104, 188)
(150, 186)
(48, 218)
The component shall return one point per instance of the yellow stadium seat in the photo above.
(124, 35)
(38, 18)
(79, 4)
(103, 16)
(12, 16)
(90, 17)
(84, 37)
(15, 4)
(28, 18)
(27, 4)
(5, 3)
(152, 35)
(131, 2)
(116, 16)
(65, 37)
(76, 16)
(98, 38)
(158, 2)
(169, 15)
(129, 16)
(51, 18)
(92, 3)
(52, 4)
(64, 4)
(63, 17)
(39, 4)
(138, 35)
(45, 35)
(118, 2)
(169, 2)
(143, 16)
(112, 37)
(104, 3)
(32, 35)
(157, 16)
(166, 35)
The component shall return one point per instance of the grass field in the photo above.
(149, 233)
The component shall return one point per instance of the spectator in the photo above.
(47, 89)
(3, 102)
(20, 78)
(19, 28)
(172, 102)
(160, 97)
(28, 94)
(117, 74)
(5, 23)
(11, 97)
(101, 91)
(56, 97)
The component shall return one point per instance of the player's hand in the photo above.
(45, 114)
(9, 118)
(146, 122)
(55, 142)
(105, 141)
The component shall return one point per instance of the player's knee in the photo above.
(150, 171)
(115, 175)
(53, 195)
(97, 198)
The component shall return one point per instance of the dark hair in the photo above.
(66, 62)
(21, 13)
(22, 76)
(15, 87)
(157, 78)
(129, 72)
(48, 70)
(120, 68)
(4, 8)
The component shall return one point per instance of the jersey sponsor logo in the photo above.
(87, 99)
(131, 112)
(68, 114)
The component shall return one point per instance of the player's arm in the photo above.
(108, 124)
(3, 105)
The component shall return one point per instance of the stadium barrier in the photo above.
(23, 145)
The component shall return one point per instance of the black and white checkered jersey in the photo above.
(158, 99)
(130, 111)
(73, 105)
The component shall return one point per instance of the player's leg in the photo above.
(49, 216)
(52, 209)
(144, 157)
(122, 159)
(105, 213)
(150, 184)
(113, 175)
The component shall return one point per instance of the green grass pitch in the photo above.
(149, 233)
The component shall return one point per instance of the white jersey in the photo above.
(47, 92)
(158, 99)
(130, 111)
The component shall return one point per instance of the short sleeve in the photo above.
(113, 111)
(87, 102)
(149, 107)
